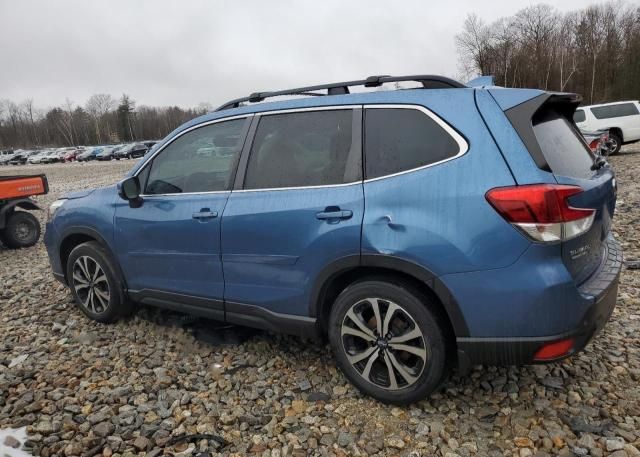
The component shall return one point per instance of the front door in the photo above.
(169, 247)
(300, 208)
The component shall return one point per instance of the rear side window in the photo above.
(311, 148)
(564, 150)
(609, 111)
(579, 116)
(398, 139)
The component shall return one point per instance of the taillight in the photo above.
(594, 145)
(542, 211)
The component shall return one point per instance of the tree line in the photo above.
(594, 51)
(101, 120)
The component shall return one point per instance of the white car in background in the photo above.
(40, 157)
(620, 119)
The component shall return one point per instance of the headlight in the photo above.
(54, 207)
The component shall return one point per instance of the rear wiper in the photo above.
(598, 163)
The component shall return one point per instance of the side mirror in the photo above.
(129, 189)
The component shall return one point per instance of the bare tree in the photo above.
(98, 106)
(474, 44)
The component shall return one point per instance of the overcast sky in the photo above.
(164, 52)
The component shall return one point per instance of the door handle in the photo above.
(334, 214)
(205, 214)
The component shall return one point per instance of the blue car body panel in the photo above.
(161, 247)
(274, 246)
(513, 150)
(440, 218)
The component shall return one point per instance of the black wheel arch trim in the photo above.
(393, 263)
(97, 236)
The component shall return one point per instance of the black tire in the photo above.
(617, 140)
(96, 307)
(22, 230)
(416, 311)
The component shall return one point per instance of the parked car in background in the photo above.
(22, 157)
(71, 154)
(39, 157)
(106, 153)
(599, 142)
(149, 144)
(130, 151)
(390, 222)
(53, 156)
(89, 154)
(6, 155)
(620, 119)
(4, 159)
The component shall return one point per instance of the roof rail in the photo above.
(428, 82)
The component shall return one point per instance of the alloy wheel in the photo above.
(91, 284)
(384, 344)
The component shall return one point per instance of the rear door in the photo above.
(298, 207)
(572, 163)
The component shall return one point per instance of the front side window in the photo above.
(202, 160)
(398, 140)
(610, 111)
(309, 148)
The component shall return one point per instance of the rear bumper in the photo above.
(601, 289)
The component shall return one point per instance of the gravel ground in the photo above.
(82, 388)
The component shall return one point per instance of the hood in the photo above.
(78, 194)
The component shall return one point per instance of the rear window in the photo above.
(398, 140)
(563, 148)
(609, 111)
(579, 116)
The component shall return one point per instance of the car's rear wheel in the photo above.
(616, 142)
(21, 230)
(387, 341)
(95, 283)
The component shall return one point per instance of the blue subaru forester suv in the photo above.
(417, 229)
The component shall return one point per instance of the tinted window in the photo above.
(303, 149)
(579, 116)
(564, 150)
(402, 139)
(199, 161)
(609, 111)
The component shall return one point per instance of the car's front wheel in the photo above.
(95, 283)
(387, 341)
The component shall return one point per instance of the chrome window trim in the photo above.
(324, 186)
(186, 193)
(178, 135)
(463, 145)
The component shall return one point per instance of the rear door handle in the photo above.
(339, 214)
(205, 214)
